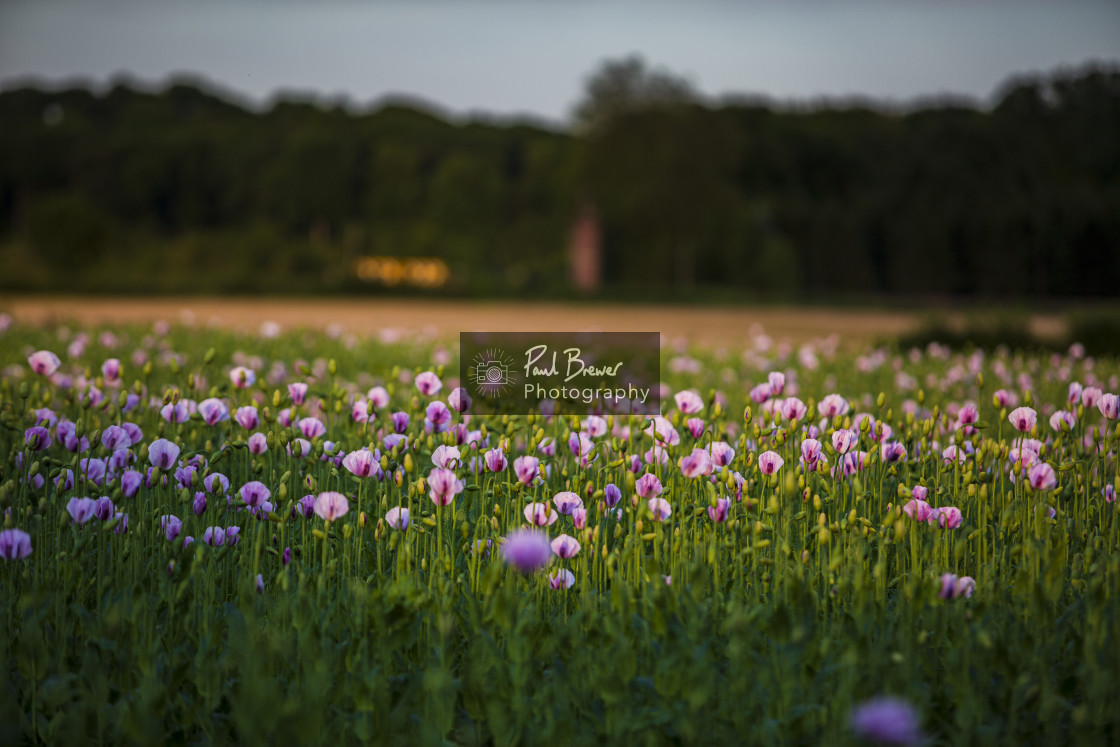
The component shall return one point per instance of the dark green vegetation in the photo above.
(816, 593)
(183, 191)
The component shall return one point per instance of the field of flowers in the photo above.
(212, 537)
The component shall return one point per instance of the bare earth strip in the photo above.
(711, 325)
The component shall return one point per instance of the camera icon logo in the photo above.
(491, 373)
(494, 373)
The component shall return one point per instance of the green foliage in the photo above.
(768, 634)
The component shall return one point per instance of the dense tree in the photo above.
(186, 190)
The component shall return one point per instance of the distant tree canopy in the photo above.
(182, 190)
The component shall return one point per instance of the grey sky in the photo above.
(532, 56)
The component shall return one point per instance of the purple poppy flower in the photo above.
(163, 453)
(214, 536)
(258, 443)
(312, 427)
(1042, 477)
(304, 507)
(579, 518)
(233, 535)
(198, 503)
(612, 495)
(527, 469)
(242, 377)
(397, 518)
(459, 400)
(886, 721)
(130, 483)
(286, 558)
(111, 370)
(216, 483)
(65, 480)
(104, 509)
(81, 509)
(171, 526)
(247, 417)
(15, 544)
(213, 411)
(255, 493)
(94, 470)
(297, 391)
(496, 460)
(37, 438)
(438, 417)
(114, 438)
(718, 512)
(527, 550)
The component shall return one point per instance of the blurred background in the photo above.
(883, 153)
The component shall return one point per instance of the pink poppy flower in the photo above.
(540, 514)
(689, 402)
(565, 546)
(330, 506)
(843, 440)
(1023, 419)
(1041, 477)
(777, 381)
(946, 517)
(447, 457)
(833, 405)
(428, 384)
(44, 362)
(1109, 405)
(496, 460)
(242, 377)
(648, 486)
(566, 502)
(718, 512)
(459, 400)
(696, 464)
(561, 579)
(660, 509)
(770, 462)
(527, 469)
(917, 509)
(443, 486)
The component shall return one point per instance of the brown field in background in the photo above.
(713, 325)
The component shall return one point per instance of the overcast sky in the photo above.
(532, 56)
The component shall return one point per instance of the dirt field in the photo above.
(711, 325)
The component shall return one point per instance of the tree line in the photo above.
(184, 190)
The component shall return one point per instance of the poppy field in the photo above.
(224, 537)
